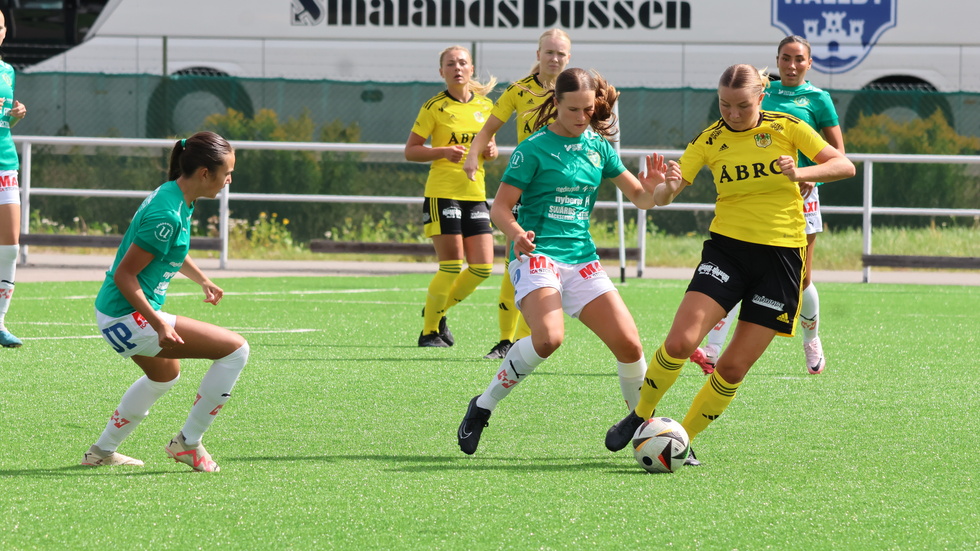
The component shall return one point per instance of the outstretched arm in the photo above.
(483, 139)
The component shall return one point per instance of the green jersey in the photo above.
(805, 102)
(559, 178)
(8, 151)
(162, 227)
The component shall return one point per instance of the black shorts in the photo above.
(765, 279)
(451, 217)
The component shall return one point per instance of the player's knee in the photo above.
(628, 351)
(679, 347)
(546, 344)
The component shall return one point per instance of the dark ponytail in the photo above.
(204, 149)
(574, 80)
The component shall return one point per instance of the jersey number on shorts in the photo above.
(118, 336)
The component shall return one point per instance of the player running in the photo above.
(521, 97)
(793, 94)
(455, 210)
(756, 250)
(554, 267)
(129, 308)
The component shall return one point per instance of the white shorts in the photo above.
(811, 212)
(578, 284)
(9, 188)
(132, 335)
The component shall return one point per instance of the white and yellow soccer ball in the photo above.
(661, 445)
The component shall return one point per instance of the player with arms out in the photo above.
(454, 211)
(756, 250)
(793, 94)
(556, 174)
(521, 97)
(130, 316)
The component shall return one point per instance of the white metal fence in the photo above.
(867, 210)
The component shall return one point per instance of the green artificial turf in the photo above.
(341, 432)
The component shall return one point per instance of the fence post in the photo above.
(866, 217)
(25, 195)
(223, 215)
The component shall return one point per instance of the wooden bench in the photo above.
(425, 249)
(102, 241)
(909, 261)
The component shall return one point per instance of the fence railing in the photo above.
(867, 210)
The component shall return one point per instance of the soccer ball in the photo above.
(661, 445)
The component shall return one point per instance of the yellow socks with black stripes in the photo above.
(438, 294)
(709, 404)
(466, 282)
(661, 374)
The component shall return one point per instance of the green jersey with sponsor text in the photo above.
(559, 178)
(162, 227)
(8, 151)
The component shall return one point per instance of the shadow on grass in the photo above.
(414, 463)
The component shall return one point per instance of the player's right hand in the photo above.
(524, 243)
(455, 153)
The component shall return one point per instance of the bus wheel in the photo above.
(181, 102)
(903, 99)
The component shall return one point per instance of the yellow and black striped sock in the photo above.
(661, 374)
(466, 282)
(709, 404)
(435, 299)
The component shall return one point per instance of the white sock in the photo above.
(810, 312)
(133, 408)
(214, 392)
(8, 268)
(520, 361)
(718, 334)
(630, 381)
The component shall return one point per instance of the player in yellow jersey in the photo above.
(756, 251)
(521, 97)
(793, 94)
(454, 210)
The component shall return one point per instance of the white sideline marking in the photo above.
(259, 293)
(250, 331)
(276, 293)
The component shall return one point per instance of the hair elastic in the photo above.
(183, 143)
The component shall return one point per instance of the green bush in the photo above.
(925, 185)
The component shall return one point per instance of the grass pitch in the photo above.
(341, 432)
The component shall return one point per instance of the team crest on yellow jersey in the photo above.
(763, 140)
(478, 115)
(595, 159)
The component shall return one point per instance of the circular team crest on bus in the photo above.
(163, 231)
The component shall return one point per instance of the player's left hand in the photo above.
(806, 188)
(18, 111)
(490, 153)
(787, 165)
(212, 293)
(656, 171)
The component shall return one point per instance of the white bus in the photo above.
(857, 44)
